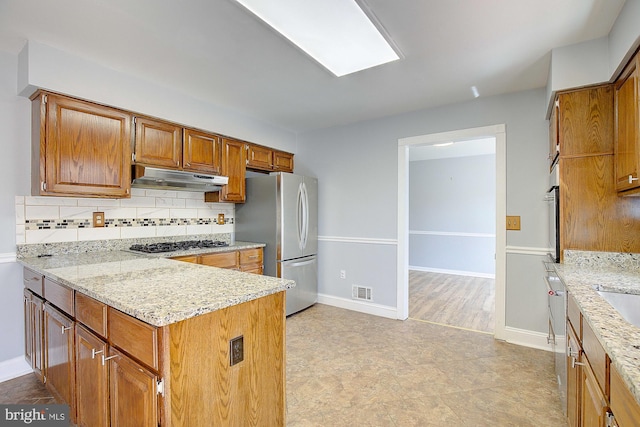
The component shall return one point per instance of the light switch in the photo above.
(513, 222)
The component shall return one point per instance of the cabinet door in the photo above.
(28, 327)
(92, 386)
(626, 142)
(87, 149)
(202, 152)
(259, 157)
(33, 339)
(234, 165)
(282, 162)
(133, 392)
(59, 366)
(593, 404)
(585, 122)
(574, 354)
(158, 143)
(554, 147)
(623, 404)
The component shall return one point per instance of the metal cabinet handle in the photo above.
(104, 359)
(94, 352)
(631, 179)
(575, 363)
(65, 329)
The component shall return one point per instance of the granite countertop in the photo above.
(154, 289)
(619, 338)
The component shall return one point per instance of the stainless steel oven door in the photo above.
(557, 306)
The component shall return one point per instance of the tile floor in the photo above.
(352, 369)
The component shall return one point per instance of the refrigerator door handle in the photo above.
(305, 205)
(300, 217)
(302, 263)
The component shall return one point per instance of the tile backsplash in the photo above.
(148, 213)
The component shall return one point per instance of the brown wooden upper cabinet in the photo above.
(202, 152)
(158, 143)
(583, 122)
(266, 159)
(626, 143)
(554, 143)
(79, 148)
(234, 166)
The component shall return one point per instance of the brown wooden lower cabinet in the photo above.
(596, 394)
(33, 338)
(133, 392)
(574, 357)
(623, 405)
(59, 365)
(248, 260)
(118, 371)
(593, 403)
(92, 385)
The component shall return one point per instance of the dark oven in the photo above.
(552, 198)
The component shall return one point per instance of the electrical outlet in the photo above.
(236, 350)
(343, 274)
(98, 219)
(513, 223)
(220, 219)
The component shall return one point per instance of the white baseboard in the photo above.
(359, 306)
(527, 338)
(455, 272)
(14, 368)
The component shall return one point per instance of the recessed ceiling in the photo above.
(216, 51)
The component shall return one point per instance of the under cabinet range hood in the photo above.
(166, 179)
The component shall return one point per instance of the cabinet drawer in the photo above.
(32, 281)
(91, 313)
(595, 354)
(251, 256)
(221, 259)
(59, 295)
(187, 258)
(133, 336)
(573, 313)
(623, 405)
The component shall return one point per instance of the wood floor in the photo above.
(460, 301)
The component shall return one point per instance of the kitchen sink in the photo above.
(628, 305)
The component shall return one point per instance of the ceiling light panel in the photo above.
(336, 33)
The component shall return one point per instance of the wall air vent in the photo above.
(361, 292)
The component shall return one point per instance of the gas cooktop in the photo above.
(177, 246)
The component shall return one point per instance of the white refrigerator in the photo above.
(281, 210)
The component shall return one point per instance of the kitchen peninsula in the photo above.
(121, 336)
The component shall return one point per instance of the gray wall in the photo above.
(14, 141)
(58, 71)
(358, 172)
(456, 197)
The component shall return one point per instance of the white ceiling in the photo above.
(215, 50)
(465, 148)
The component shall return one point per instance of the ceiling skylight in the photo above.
(336, 33)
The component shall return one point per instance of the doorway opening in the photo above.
(496, 239)
(452, 233)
